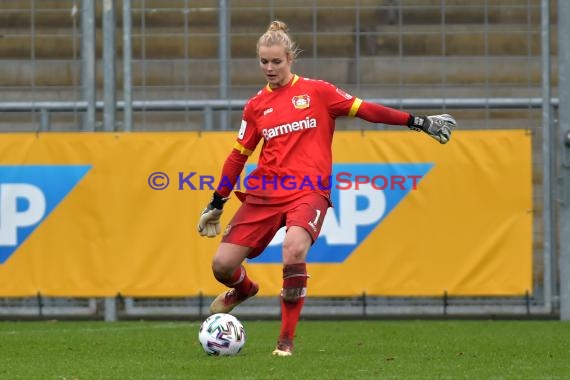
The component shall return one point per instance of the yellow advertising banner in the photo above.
(101, 214)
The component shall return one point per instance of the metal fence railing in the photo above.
(203, 50)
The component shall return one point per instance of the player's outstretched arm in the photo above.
(437, 126)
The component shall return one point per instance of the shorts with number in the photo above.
(255, 225)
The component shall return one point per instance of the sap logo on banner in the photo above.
(356, 212)
(28, 194)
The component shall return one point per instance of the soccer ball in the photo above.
(222, 335)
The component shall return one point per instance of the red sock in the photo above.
(292, 298)
(239, 281)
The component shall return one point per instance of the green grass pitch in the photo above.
(324, 350)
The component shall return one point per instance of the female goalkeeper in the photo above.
(295, 118)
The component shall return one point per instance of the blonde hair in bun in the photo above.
(278, 34)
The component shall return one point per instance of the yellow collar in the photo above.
(290, 84)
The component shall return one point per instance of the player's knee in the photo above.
(296, 245)
(222, 270)
(294, 251)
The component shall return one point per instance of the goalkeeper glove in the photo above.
(436, 126)
(209, 223)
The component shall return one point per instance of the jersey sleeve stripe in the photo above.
(354, 108)
(242, 149)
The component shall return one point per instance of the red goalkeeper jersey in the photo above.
(296, 123)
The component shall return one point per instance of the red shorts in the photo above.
(255, 225)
